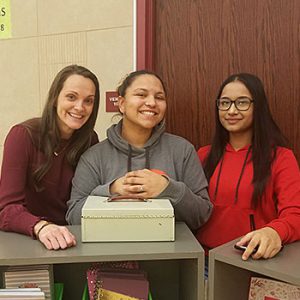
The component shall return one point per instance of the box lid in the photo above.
(97, 206)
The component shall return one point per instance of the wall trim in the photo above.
(144, 34)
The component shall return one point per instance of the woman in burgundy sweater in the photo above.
(40, 156)
(254, 179)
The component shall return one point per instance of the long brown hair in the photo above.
(45, 132)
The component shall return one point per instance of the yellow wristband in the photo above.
(44, 225)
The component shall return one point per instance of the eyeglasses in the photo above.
(241, 104)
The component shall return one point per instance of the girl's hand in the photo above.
(53, 236)
(116, 188)
(145, 183)
(267, 241)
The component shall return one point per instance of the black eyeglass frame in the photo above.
(234, 103)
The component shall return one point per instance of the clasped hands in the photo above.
(144, 183)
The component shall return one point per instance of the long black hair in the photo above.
(45, 132)
(265, 140)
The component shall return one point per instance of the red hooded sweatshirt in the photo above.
(232, 213)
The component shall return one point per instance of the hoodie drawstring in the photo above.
(129, 158)
(239, 180)
(147, 158)
(252, 222)
(147, 162)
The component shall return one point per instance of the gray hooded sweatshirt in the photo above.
(112, 158)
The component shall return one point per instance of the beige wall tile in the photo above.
(58, 16)
(63, 48)
(23, 18)
(47, 35)
(110, 53)
(19, 84)
(58, 51)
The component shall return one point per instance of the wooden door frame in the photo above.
(145, 34)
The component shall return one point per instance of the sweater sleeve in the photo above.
(189, 196)
(16, 157)
(85, 180)
(286, 177)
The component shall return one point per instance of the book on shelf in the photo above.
(22, 294)
(30, 276)
(58, 290)
(28, 290)
(269, 289)
(119, 280)
(132, 285)
(109, 295)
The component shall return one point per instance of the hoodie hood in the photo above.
(229, 148)
(114, 136)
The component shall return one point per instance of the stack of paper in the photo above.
(31, 276)
(22, 294)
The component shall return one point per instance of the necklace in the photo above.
(57, 153)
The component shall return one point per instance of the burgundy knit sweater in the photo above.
(21, 206)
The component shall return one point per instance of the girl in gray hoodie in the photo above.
(139, 158)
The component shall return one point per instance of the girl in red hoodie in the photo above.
(254, 180)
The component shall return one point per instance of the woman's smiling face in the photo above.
(75, 104)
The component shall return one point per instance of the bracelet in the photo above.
(44, 225)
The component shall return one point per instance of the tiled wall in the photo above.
(48, 35)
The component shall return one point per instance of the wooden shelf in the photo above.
(175, 269)
(229, 275)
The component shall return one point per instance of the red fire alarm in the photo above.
(112, 102)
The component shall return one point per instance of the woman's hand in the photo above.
(144, 183)
(267, 241)
(53, 236)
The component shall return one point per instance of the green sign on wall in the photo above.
(5, 25)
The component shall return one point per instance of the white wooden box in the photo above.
(104, 221)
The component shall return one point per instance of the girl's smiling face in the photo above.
(144, 104)
(234, 120)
